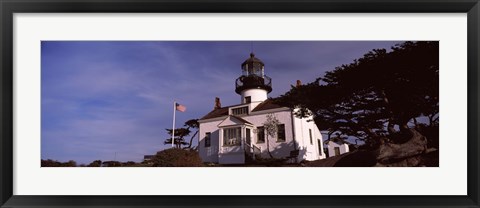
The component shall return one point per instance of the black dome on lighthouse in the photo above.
(253, 76)
(253, 61)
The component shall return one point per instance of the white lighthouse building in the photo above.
(234, 134)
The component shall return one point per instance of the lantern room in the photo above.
(253, 79)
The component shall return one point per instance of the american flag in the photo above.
(180, 108)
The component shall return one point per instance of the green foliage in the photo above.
(271, 125)
(129, 164)
(54, 163)
(369, 97)
(181, 133)
(175, 157)
(51, 163)
(111, 164)
(96, 163)
(179, 140)
(271, 128)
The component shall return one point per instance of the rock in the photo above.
(411, 153)
(390, 153)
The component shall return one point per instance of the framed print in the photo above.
(273, 103)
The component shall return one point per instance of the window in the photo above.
(240, 111)
(207, 139)
(231, 136)
(319, 146)
(248, 99)
(260, 134)
(281, 133)
(311, 138)
(337, 151)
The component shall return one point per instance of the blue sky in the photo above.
(105, 98)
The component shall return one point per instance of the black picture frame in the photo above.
(10, 7)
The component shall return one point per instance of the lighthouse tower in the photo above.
(253, 85)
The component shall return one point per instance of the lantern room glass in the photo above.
(253, 69)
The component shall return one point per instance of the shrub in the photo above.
(96, 163)
(54, 163)
(175, 157)
(51, 163)
(111, 164)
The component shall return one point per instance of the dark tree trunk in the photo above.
(370, 133)
(404, 127)
(191, 140)
(329, 135)
(268, 147)
(391, 126)
(431, 119)
(391, 123)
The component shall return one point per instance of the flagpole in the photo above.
(173, 128)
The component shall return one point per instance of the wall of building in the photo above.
(297, 130)
(331, 148)
(209, 154)
(231, 155)
(319, 142)
(311, 150)
(257, 95)
(277, 149)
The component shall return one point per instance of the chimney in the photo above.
(217, 103)
(299, 83)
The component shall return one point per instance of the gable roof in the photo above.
(241, 119)
(265, 105)
(216, 113)
(337, 140)
(233, 120)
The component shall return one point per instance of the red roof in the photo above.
(241, 119)
(216, 113)
(265, 105)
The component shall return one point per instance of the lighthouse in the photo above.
(233, 134)
(253, 85)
